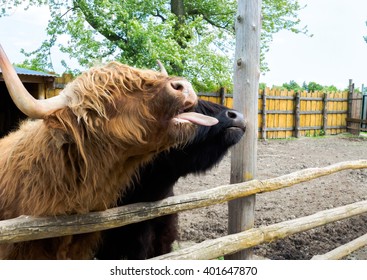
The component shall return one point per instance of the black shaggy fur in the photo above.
(154, 237)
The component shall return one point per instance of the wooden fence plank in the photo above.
(330, 108)
(313, 107)
(283, 116)
(229, 101)
(303, 118)
(325, 113)
(290, 117)
(270, 118)
(338, 116)
(263, 115)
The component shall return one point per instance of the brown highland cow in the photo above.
(85, 146)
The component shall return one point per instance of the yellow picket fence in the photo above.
(283, 114)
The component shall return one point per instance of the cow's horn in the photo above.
(30, 106)
(161, 67)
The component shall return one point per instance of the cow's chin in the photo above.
(233, 135)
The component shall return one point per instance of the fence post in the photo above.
(297, 114)
(350, 96)
(325, 112)
(350, 125)
(246, 91)
(263, 115)
(222, 95)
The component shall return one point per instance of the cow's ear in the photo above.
(64, 126)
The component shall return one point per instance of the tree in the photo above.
(313, 86)
(292, 85)
(304, 86)
(331, 88)
(192, 38)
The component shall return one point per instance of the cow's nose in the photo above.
(233, 115)
(237, 119)
(185, 88)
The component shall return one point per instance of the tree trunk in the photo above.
(182, 35)
(178, 8)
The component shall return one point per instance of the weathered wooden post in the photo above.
(263, 116)
(325, 112)
(222, 95)
(245, 100)
(297, 117)
(352, 127)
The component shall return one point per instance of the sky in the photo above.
(334, 54)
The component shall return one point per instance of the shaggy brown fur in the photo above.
(70, 162)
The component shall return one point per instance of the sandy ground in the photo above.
(279, 157)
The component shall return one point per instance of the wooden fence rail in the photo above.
(283, 114)
(30, 228)
(229, 244)
(344, 250)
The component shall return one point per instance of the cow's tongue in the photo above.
(196, 118)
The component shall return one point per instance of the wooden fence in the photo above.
(60, 83)
(26, 228)
(357, 113)
(284, 114)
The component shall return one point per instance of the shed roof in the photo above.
(23, 71)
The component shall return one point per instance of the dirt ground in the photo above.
(279, 157)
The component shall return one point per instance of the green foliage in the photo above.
(292, 85)
(262, 86)
(310, 87)
(315, 133)
(331, 88)
(32, 65)
(305, 86)
(192, 38)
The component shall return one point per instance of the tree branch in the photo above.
(159, 15)
(93, 21)
(197, 12)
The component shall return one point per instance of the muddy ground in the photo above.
(279, 157)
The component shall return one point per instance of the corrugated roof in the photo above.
(23, 71)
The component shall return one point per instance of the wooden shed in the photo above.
(37, 83)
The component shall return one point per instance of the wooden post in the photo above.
(297, 115)
(350, 96)
(263, 115)
(222, 95)
(246, 85)
(350, 125)
(325, 112)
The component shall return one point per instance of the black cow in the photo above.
(154, 237)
